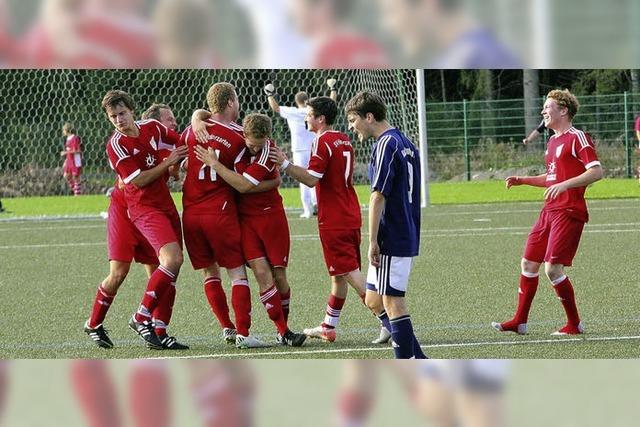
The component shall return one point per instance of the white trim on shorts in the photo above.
(392, 277)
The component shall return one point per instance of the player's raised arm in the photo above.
(333, 91)
(270, 91)
(199, 125)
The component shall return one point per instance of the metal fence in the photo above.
(483, 139)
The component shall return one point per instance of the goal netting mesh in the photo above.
(36, 103)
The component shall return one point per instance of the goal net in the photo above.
(36, 103)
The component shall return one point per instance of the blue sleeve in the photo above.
(384, 165)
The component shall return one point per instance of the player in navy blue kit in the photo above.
(394, 217)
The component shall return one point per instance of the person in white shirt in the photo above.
(301, 138)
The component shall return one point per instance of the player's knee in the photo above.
(374, 302)
(554, 271)
(529, 266)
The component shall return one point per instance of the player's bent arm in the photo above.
(376, 206)
(534, 181)
(267, 185)
(234, 179)
(591, 175)
(145, 178)
(301, 175)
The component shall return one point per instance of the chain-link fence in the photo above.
(36, 103)
(483, 139)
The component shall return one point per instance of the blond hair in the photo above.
(257, 125)
(69, 128)
(565, 99)
(219, 95)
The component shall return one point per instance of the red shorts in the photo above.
(266, 236)
(554, 238)
(160, 228)
(341, 250)
(71, 169)
(213, 238)
(124, 241)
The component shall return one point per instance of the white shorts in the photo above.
(392, 277)
(484, 375)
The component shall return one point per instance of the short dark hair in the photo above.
(324, 106)
(153, 112)
(367, 102)
(113, 98)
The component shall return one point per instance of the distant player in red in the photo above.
(210, 217)
(72, 169)
(572, 165)
(265, 230)
(133, 152)
(331, 172)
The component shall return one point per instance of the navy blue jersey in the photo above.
(394, 171)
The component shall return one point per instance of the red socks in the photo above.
(95, 393)
(241, 302)
(218, 301)
(164, 310)
(149, 394)
(101, 305)
(158, 283)
(271, 301)
(564, 290)
(334, 307)
(285, 299)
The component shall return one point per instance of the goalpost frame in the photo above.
(422, 138)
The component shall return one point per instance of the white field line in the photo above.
(448, 233)
(250, 354)
(464, 209)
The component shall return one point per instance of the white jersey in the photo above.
(480, 374)
(301, 138)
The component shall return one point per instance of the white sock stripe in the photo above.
(529, 275)
(333, 311)
(241, 282)
(167, 272)
(209, 280)
(559, 280)
(271, 292)
(331, 321)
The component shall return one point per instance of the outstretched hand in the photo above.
(510, 181)
(206, 155)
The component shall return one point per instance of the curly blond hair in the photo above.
(565, 99)
(219, 96)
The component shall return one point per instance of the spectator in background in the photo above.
(536, 133)
(301, 138)
(72, 169)
(441, 34)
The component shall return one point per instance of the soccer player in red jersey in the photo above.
(330, 172)
(133, 152)
(72, 169)
(572, 164)
(265, 230)
(125, 244)
(210, 217)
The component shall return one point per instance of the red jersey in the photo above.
(73, 144)
(349, 50)
(637, 125)
(257, 168)
(202, 189)
(568, 155)
(332, 162)
(129, 156)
